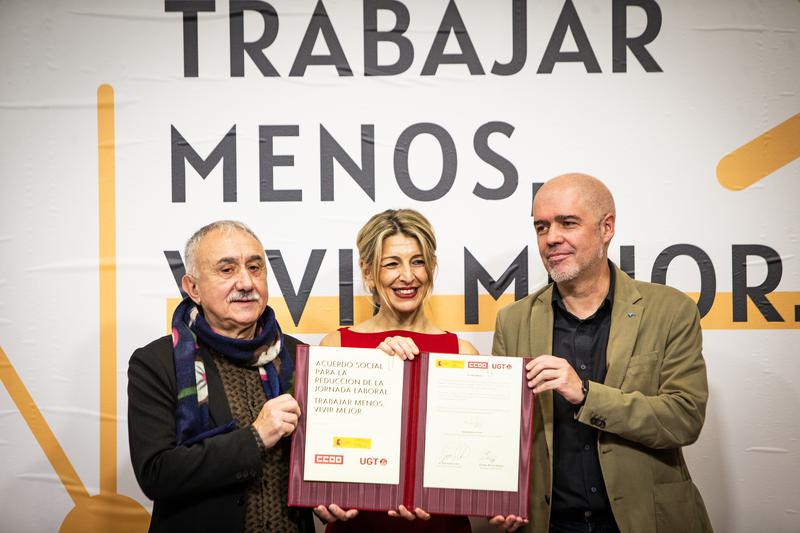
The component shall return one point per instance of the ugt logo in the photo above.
(373, 461)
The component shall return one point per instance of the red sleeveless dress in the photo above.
(380, 522)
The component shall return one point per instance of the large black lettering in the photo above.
(254, 49)
(757, 293)
(534, 189)
(295, 300)
(330, 150)
(182, 153)
(177, 268)
(568, 20)
(474, 273)
(708, 277)
(620, 41)
(190, 9)
(510, 176)
(346, 287)
(449, 162)
(395, 35)
(452, 21)
(320, 24)
(519, 40)
(627, 260)
(267, 161)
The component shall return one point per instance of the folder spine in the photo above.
(411, 436)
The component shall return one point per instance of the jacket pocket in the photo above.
(641, 373)
(676, 508)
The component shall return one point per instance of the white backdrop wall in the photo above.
(309, 151)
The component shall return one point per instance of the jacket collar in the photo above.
(541, 328)
(626, 316)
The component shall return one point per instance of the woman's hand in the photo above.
(508, 523)
(333, 513)
(402, 347)
(402, 512)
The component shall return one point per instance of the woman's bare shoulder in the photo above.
(466, 348)
(334, 338)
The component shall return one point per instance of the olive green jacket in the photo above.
(652, 402)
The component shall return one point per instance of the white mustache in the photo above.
(243, 296)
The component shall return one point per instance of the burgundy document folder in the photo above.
(409, 492)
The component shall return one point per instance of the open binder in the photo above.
(410, 491)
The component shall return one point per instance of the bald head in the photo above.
(574, 218)
(590, 191)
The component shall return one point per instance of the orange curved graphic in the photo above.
(761, 157)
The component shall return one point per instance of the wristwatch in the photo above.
(584, 390)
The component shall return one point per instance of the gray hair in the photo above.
(190, 252)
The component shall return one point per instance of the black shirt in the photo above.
(577, 479)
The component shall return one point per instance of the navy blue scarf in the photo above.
(189, 330)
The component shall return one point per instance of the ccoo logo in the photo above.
(326, 459)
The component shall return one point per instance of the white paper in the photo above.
(472, 422)
(353, 416)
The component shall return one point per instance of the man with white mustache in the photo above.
(618, 375)
(210, 406)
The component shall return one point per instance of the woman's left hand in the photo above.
(402, 512)
(334, 513)
(402, 347)
(508, 523)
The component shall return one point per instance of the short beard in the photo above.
(574, 272)
(566, 275)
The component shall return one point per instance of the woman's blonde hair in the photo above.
(386, 224)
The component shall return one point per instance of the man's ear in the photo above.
(608, 225)
(190, 288)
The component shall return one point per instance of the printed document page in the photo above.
(472, 431)
(353, 414)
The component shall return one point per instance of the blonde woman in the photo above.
(397, 257)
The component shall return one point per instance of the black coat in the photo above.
(201, 487)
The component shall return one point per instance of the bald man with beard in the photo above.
(618, 377)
